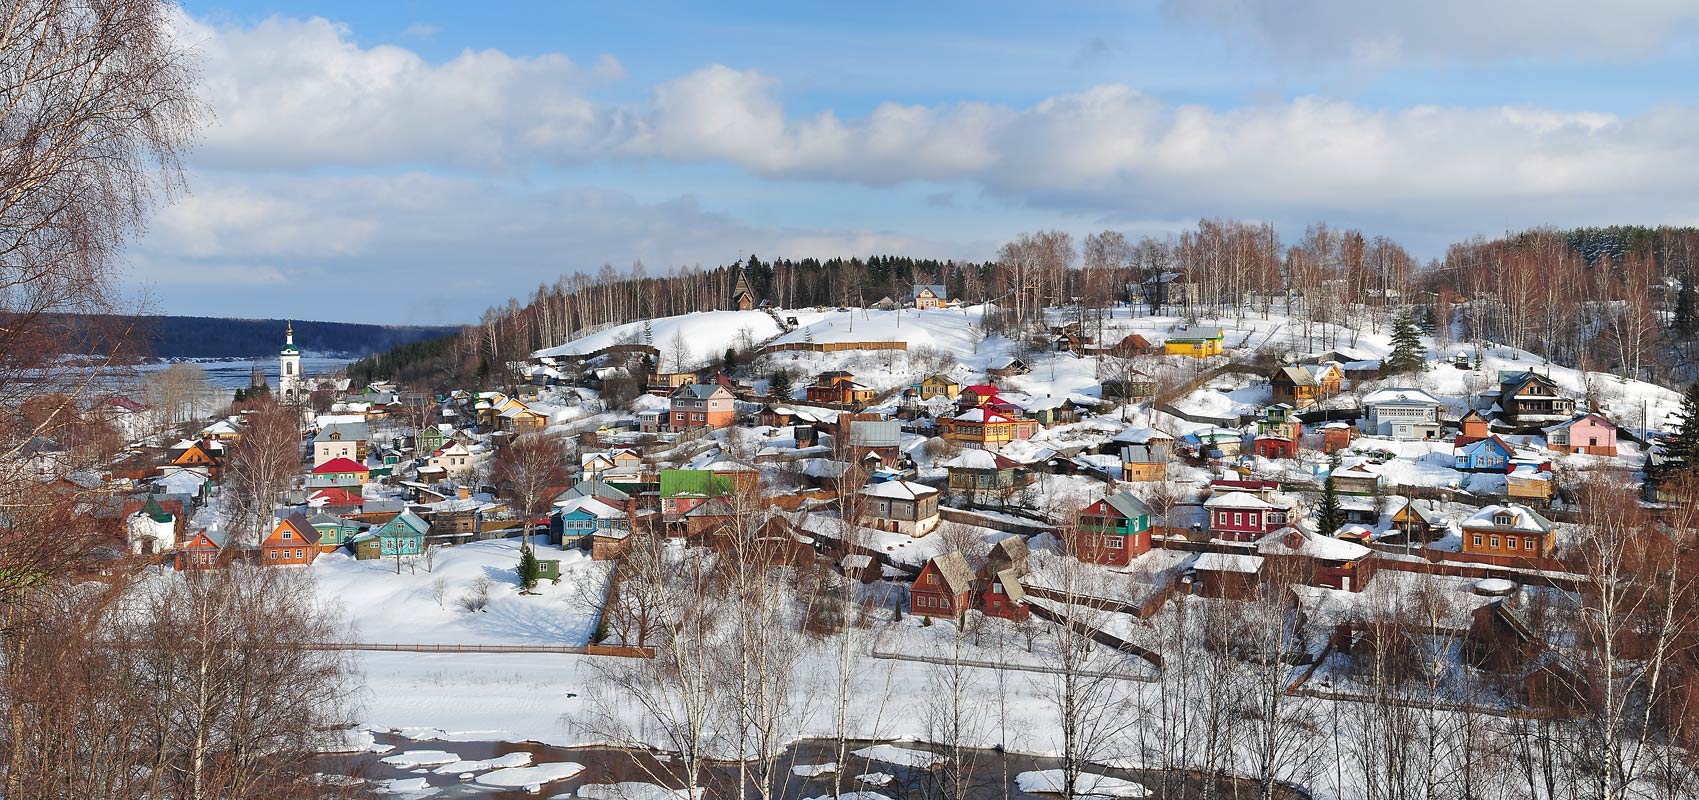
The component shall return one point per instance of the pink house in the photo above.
(1587, 433)
(1243, 517)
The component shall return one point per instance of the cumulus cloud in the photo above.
(1387, 33)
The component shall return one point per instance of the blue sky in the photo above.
(417, 162)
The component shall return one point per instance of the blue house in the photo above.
(574, 521)
(1484, 455)
(402, 536)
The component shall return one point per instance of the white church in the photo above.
(291, 384)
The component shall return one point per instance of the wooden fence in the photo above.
(830, 347)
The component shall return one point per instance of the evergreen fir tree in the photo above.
(529, 570)
(1329, 517)
(1408, 355)
(779, 385)
(1684, 445)
(1686, 322)
(730, 359)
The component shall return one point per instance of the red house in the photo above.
(976, 395)
(1004, 598)
(944, 587)
(1471, 428)
(1275, 447)
(293, 541)
(1112, 531)
(1243, 517)
(203, 550)
(1315, 560)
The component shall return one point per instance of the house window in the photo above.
(287, 536)
(1495, 542)
(1529, 543)
(1117, 542)
(1510, 542)
(1477, 540)
(299, 553)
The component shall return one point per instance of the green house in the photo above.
(334, 531)
(402, 536)
(548, 569)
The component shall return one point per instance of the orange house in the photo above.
(199, 454)
(293, 541)
(1509, 530)
(839, 386)
(989, 430)
(702, 405)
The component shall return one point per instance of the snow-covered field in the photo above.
(389, 608)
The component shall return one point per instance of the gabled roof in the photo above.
(974, 458)
(1144, 454)
(979, 414)
(302, 528)
(1290, 541)
(1127, 505)
(1011, 583)
(1402, 396)
(591, 505)
(342, 431)
(1297, 376)
(1597, 418)
(898, 490)
(954, 571)
(339, 465)
(700, 391)
(407, 520)
(1238, 500)
(1192, 333)
(1522, 519)
(937, 290)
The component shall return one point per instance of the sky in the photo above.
(418, 162)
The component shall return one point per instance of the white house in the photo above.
(1404, 414)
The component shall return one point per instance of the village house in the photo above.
(696, 405)
(577, 519)
(1307, 384)
(939, 385)
(204, 549)
(1112, 531)
(226, 430)
(988, 430)
(1404, 414)
(1133, 386)
(1004, 597)
(1243, 517)
(943, 589)
(292, 542)
(1529, 398)
(1472, 427)
(402, 536)
(976, 395)
(453, 461)
(1280, 420)
(203, 455)
(900, 507)
(1416, 519)
(873, 440)
(1271, 446)
(150, 528)
(1145, 462)
(591, 465)
(1509, 530)
(928, 295)
(1489, 454)
(340, 440)
(1229, 576)
(985, 471)
(1007, 367)
(338, 473)
(1336, 436)
(1195, 342)
(838, 386)
(683, 491)
(334, 531)
(1588, 433)
(521, 419)
(1309, 558)
(1529, 483)
(1358, 478)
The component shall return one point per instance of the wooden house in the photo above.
(576, 520)
(1404, 414)
(1112, 531)
(334, 531)
(989, 430)
(453, 460)
(939, 385)
(1007, 367)
(1509, 530)
(1305, 385)
(1588, 433)
(338, 473)
(293, 541)
(1229, 576)
(1417, 518)
(1243, 517)
(1309, 558)
(1270, 446)
(1359, 478)
(1146, 462)
(203, 454)
(900, 507)
(944, 587)
(340, 440)
(928, 295)
(985, 471)
(697, 405)
(976, 395)
(1003, 597)
(203, 549)
(1336, 436)
(400, 537)
(1529, 398)
(1130, 345)
(1195, 342)
(683, 490)
(838, 386)
(1528, 483)
(1280, 420)
(521, 419)
(1134, 386)
(1472, 427)
(1489, 454)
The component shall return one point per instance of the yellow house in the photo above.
(939, 386)
(1195, 341)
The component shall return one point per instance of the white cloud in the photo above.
(1477, 30)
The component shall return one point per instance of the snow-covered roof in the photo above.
(898, 490)
(981, 415)
(1510, 517)
(1227, 562)
(1237, 500)
(1403, 396)
(591, 505)
(1291, 541)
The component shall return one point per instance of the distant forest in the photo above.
(221, 337)
(1608, 296)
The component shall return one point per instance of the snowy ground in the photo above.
(387, 608)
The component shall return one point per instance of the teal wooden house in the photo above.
(579, 518)
(334, 531)
(402, 536)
